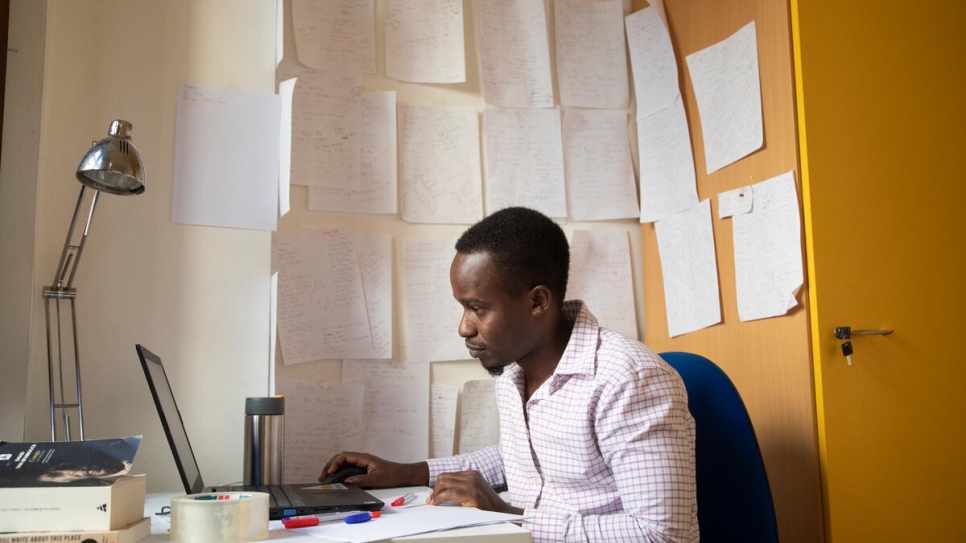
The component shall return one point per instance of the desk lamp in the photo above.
(112, 165)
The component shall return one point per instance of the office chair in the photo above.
(734, 500)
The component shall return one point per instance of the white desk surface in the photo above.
(497, 533)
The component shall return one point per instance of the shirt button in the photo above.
(536, 481)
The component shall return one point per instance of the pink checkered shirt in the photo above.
(609, 452)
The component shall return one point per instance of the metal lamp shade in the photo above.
(113, 165)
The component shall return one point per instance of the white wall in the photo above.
(197, 296)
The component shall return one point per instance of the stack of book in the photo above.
(76, 491)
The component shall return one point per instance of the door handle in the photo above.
(845, 333)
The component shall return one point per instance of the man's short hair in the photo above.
(527, 248)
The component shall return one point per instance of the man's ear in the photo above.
(540, 300)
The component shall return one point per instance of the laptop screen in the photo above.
(171, 421)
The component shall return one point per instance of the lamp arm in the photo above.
(70, 256)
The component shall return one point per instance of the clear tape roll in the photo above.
(227, 517)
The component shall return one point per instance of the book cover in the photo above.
(132, 533)
(95, 462)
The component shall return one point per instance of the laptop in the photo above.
(285, 500)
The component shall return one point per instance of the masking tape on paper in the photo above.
(227, 517)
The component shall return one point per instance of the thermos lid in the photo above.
(265, 405)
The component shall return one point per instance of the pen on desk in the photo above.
(402, 500)
(349, 518)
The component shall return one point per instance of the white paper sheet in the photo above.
(439, 162)
(321, 420)
(735, 202)
(374, 251)
(433, 315)
(524, 160)
(768, 250)
(685, 243)
(653, 63)
(337, 35)
(514, 53)
(326, 127)
(226, 158)
(286, 91)
(442, 421)
(668, 182)
(601, 276)
(395, 408)
(424, 41)
(598, 165)
(591, 57)
(321, 303)
(377, 186)
(479, 417)
(728, 92)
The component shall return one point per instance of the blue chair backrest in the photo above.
(734, 500)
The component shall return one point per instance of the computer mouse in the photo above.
(340, 476)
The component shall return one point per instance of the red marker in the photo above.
(307, 522)
(401, 500)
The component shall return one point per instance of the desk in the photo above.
(495, 533)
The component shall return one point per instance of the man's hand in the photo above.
(469, 489)
(379, 473)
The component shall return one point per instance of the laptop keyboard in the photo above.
(278, 495)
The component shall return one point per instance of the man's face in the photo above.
(495, 325)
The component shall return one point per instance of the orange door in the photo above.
(882, 118)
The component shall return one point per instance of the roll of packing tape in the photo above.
(228, 517)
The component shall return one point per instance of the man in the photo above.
(596, 441)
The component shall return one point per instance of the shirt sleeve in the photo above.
(488, 461)
(646, 437)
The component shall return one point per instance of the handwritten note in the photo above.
(514, 53)
(335, 35)
(728, 92)
(653, 62)
(768, 250)
(326, 126)
(735, 202)
(226, 158)
(668, 182)
(395, 409)
(479, 417)
(377, 186)
(442, 421)
(424, 41)
(375, 265)
(321, 304)
(524, 160)
(440, 179)
(601, 276)
(433, 315)
(685, 243)
(591, 58)
(598, 166)
(321, 420)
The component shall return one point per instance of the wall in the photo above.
(198, 297)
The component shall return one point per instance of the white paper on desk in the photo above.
(377, 184)
(226, 158)
(326, 127)
(439, 164)
(524, 160)
(728, 92)
(598, 166)
(432, 315)
(322, 312)
(479, 416)
(668, 182)
(424, 41)
(685, 243)
(286, 91)
(395, 409)
(601, 276)
(591, 57)
(442, 419)
(735, 202)
(653, 62)
(335, 34)
(321, 420)
(400, 522)
(768, 250)
(514, 53)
